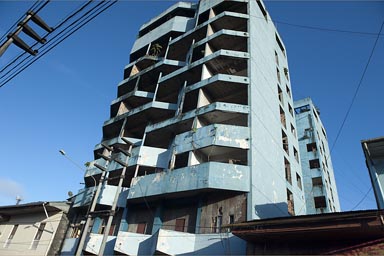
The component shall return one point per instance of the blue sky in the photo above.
(62, 100)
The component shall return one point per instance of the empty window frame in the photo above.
(282, 118)
(278, 41)
(291, 205)
(285, 142)
(317, 181)
(11, 235)
(141, 228)
(288, 176)
(296, 154)
(288, 91)
(262, 9)
(217, 223)
(180, 225)
(298, 180)
(320, 202)
(311, 147)
(277, 58)
(314, 163)
(293, 130)
(280, 94)
(278, 75)
(290, 109)
(38, 235)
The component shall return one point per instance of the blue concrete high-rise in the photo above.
(318, 177)
(201, 135)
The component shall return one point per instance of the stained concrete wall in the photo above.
(310, 129)
(269, 196)
(218, 204)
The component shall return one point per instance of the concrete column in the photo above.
(124, 221)
(198, 215)
(157, 222)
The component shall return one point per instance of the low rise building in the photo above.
(33, 229)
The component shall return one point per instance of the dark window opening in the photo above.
(180, 224)
(317, 181)
(280, 93)
(262, 9)
(320, 202)
(296, 154)
(291, 206)
(311, 147)
(141, 228)
(285, 142)
(313, 164)
(288, 176)
(181, 160)
(298, 180)
(280, 44)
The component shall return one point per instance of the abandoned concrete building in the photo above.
(202, 134)
(318, 177)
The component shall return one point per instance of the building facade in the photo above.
(374, 157)
(318, 177)
(202, 134)
(37, 228)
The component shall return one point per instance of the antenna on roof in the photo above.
(18, 199)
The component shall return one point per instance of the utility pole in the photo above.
(23, 27)
(94, 202)
(116, 198)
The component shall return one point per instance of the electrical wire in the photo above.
(17, 22)
(78, 10)
(357, 88)
(93, 15)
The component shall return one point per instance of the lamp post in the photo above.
(91, 206)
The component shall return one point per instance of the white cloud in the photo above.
(9, 190)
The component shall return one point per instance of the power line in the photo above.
(20, 19)
(357, 89)
(85, 21)
(55, 28)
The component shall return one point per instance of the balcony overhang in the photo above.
(202, 177)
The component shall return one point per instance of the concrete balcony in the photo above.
(225, 20)
(92, 169)
(215, 134)
(219, 62)
(206, 176)
(129, 243)
(139, 117)
(106, 197)
(118, 140)
(93, 244)
(169, 242)
(144, 156)
(224, 88)
(178, 24)
(215, 113)
(133, 99)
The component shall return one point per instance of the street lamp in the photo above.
(90, 207)
(62, 152)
